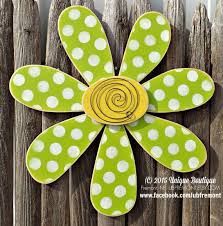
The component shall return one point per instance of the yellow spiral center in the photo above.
(115, 101)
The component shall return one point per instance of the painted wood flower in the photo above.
(113, 104)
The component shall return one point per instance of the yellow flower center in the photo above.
(115, 101)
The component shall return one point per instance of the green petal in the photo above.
(179, 90)
(113, 185)
(86, 44)
(147, 45)
(171, 144)
(47, 89)
(54, 151)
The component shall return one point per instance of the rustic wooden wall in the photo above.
(66, 202)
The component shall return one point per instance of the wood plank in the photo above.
(169, 210)
(81, 209)
(27, 122)
(216, 135)
(198, 121)
(6, 113)
(145, 209)
(55, 197)
(115, 22)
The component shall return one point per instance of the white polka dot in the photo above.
(76, 107)
(183, 90)
(197, 99)
(67, 166)
(165, 36)
(153, 134)
(116, 213)
(141, 76)
(134, 124)
(132, 180)
(52, 166)
(92, 135)
(190, 145)
(133, 45)
(206, 86)
(104, 139)
(147, 85)
(90, 21)
(168, 80)
(193, 162)
(156, 151)
(109, 68)
(160, 20)
(120, 191)
(192, 76)
(84, 37)
(106, 203)
(48, 180)
(177, 165)
(150, 40)
(68, 93)
(159, 95)
(100, 44)
(59, 131)
(185, 131)
(94, 60)
(109, 177)
(170, 131)
(76, 134)
(88, 76)
(99, 164)
(64, 45)
(77, 53)
(27, 95)
(43, 86)
(19, 80)
(129, 204)
(80, 118)
(73, 151)
(124, 67)
(34, 71)
(154, 57)
(58, 78)
(145, 24)
(82, 87)
(113, 128)
(174, 104)
(122, 166)
(96, 189)
(149, 119)
(173, 149)
(37, 107)
(151, 108)
(34, 163)
(68, 30)
(138, 136)
(124, 141)
(38, 145)
(52, 102)
(138, 61)
(111, 152)
(55, 148)
(74, 14)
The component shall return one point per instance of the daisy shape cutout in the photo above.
(114, 104)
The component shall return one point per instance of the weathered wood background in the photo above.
(23, 202)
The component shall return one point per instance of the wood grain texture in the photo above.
(115, 22)
(6, 113)
(145, 209)
(216, 135)
(168, 211)
(198, 121)
(56, 194)
(81, 209)
(27, 122)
